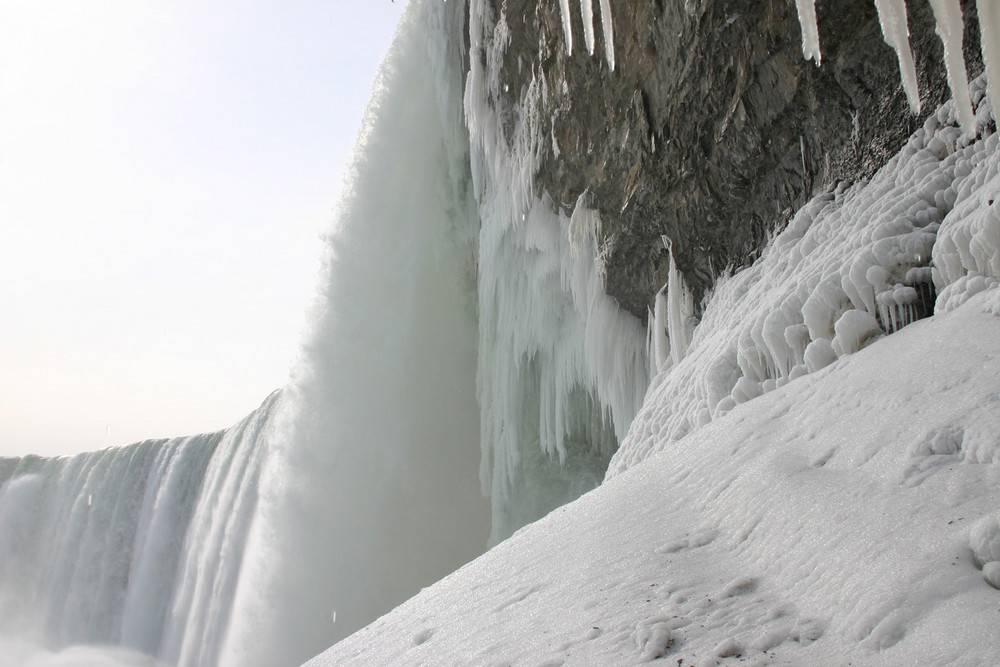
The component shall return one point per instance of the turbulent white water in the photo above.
(136, 546)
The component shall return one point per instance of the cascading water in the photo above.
(135, 546)
(347, 491)
(373, 476)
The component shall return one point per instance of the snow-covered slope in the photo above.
(798, 487)
(827, 522)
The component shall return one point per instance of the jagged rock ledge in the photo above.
(712, 129)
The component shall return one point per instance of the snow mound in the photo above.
(984, 539)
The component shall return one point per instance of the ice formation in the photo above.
(852, 264)
(797, 530)
(266, 543)
(562, 369)
(587, 16)
(989, 37)
(810, 32)
(949, 27)
(892, 17)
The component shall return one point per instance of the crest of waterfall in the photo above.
(137, 546)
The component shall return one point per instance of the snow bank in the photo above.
(851, 265)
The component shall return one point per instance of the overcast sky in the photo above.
(166, 168)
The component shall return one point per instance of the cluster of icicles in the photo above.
(948, 15)
(895, 29)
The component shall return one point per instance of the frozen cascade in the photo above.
(265, 543)
(137, 546)
(562, 370)
(851, 265)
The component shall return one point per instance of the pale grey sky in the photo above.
(166, 167)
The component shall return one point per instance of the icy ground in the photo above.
(826, 522)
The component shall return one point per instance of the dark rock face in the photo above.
(713, 129)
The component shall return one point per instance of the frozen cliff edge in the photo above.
(846, 514)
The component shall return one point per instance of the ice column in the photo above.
(892, 17)
(567, 25)
(989, 24)
(810, 32)
(948, 14)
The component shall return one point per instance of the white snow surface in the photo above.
(830, 521)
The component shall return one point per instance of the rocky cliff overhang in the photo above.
(712, 129)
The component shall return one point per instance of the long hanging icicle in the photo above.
(587, 14)
(810, 33)
(567, 26)
(948, 15)
(989, 25)
(892, 17)
(607, 27)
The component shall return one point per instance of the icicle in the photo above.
(680, 308)
(567, 26)
(608, 29)
(810, 33)
(948, 14)
(892, 17)
(989, 22)
(660, 355)
(587, 13)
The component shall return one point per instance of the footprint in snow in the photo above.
(739, 586)
(423, 636)
(690, 542)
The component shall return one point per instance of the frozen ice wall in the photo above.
(852, 265)
(562, 370)
(371, 490)
(136, 546)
